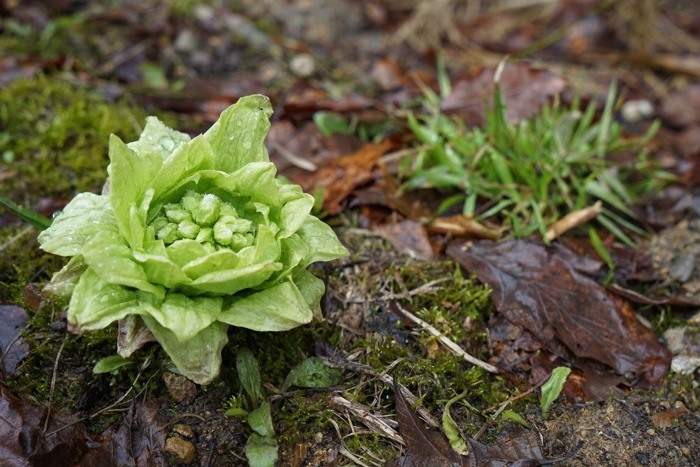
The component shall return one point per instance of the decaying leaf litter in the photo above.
(366, 64)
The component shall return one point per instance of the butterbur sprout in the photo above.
(192, 236)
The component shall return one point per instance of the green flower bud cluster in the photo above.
(206, 219)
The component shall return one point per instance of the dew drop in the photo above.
(167, 143)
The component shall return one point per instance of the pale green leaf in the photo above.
(84, 217)
(186, 316)
(109, 364)
(198, 358)
(96, 304)
(158, 266)
(183, 252)
(260, 420)
(110, 257)
(277, 308)
(261, 451)
(185, 162)
(312, 289)
(294, 214)
(237, 138)
(129, 177)
(230, 281)
(312, 373)
(249, 375)
(158, 139)
(323, 242)
(64, 281)
(552, 388)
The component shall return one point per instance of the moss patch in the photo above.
(55, 135)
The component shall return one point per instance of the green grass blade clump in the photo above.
(531, 173)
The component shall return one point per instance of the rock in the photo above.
(179, 387)
(183, 430)
(180, 449)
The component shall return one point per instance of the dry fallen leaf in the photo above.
(541, 290)
(339, 177)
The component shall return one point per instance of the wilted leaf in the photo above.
(407, 234)
(425, 447)
(13, 349)
(518, 448)
(461, 225)
(540, 289)
(666, 418)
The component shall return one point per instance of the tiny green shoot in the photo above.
(552, 388)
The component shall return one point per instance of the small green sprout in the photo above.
(552, 388)
(192, 236)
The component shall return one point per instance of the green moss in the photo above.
(301, 416)
(76, 388)
(55, 136)
(22, 262)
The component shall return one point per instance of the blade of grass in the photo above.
(32, 218)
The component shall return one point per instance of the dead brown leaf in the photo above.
(540, 289)
(666, 418)
(339, 177)
(26, 439)
(408, 235)
(13, 348)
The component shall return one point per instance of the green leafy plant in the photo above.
(533, 172)
(191, 236)
(261, 449)
(552, 388)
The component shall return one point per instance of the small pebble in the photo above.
(179, 387)
(682, 267)
(636, 110)
(180, 449)
(183, 430)
(302, 65)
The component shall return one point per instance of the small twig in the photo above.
(425, 288)
(447, 342)
(339, 362)
(573, 219)
(16, 237)
(300, 162)
(53, 386)
(369, 419)
(515, 398)
(121, 57)
(489, 422)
